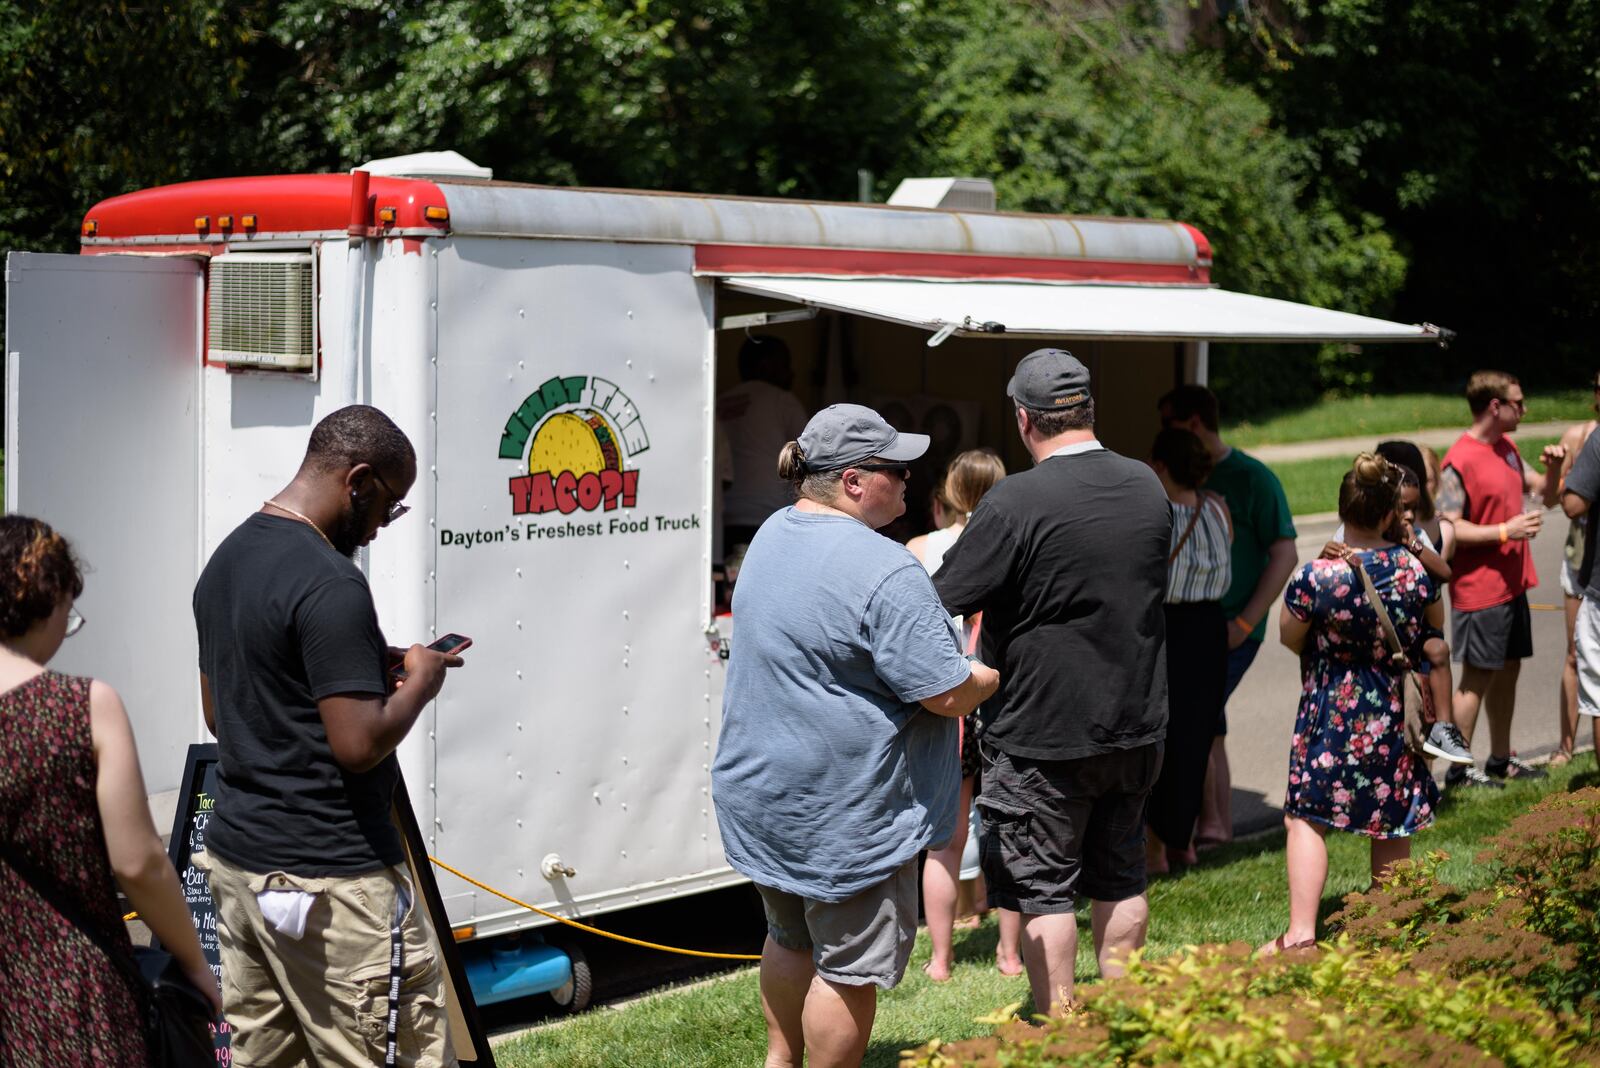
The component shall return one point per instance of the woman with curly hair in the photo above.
(73, 809)
(1349, 768)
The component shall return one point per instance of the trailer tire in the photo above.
(575, 995)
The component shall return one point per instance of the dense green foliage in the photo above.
(1322, 145)
(1473, 129)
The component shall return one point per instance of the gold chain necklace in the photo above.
(303, 518)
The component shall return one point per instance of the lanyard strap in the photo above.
(397, 959)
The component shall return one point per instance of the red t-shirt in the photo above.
(1487, 575)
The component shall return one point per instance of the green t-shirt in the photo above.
(1260, 517)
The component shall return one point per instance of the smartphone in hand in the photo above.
(451, 644)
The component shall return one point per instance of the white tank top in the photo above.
(938, 543)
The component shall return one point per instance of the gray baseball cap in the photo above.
(1048, 379)
(844, 434)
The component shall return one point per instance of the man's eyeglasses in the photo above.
(396, 509)
(1519, 405)
(903, 471)
(74, 622)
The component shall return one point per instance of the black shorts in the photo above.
(1489, 637)
(1054, 829)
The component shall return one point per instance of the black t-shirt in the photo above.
(284, 620)
(1068, 563)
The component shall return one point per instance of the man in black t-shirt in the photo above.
(305, 864)
(1068, 563)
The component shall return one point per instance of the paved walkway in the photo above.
(1439, 439)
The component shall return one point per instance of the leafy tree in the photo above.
(1473, 128)
(1079, 111)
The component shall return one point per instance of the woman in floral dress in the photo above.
(1349, 768)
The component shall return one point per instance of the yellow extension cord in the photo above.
(573, 923)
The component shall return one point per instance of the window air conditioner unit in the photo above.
(261, 311)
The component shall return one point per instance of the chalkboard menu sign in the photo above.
(195, 801)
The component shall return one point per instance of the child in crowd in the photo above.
(1416, 515)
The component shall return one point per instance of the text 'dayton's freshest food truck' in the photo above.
(555, 355)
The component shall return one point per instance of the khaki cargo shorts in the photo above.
(323, 998)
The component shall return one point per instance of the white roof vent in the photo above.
(427, 165)
(956, 194)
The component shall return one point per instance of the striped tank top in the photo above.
(1204, 566)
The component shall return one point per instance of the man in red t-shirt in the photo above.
(1481, 490)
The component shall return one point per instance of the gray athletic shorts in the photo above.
(1489, 637)
(863, 939)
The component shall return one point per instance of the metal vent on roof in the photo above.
(261, 311)
(955, 194)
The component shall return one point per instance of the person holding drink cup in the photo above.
(1482, 485)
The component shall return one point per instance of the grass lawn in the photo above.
(1394, 413)
(1238, 893)
(1312, 486)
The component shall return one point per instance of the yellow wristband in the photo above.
(1503, 535)
(1248, 626)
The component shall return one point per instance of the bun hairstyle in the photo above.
(821, 486)
(37, 572)
(970, 475)
(1370, 491)
(1184, 455)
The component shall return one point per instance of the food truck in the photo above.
(555, 355)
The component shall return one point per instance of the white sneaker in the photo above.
(1446, 743)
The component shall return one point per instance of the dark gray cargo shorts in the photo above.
(1055, 829)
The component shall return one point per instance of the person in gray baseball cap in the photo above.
(836, 763)
(1068, 563)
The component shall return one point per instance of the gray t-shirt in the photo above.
(829, 775)
(1584, 480)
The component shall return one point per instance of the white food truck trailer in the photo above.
(554, 354)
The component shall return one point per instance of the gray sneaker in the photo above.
(1446, 743)
(1469, 775)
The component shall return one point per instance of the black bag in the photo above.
(176, 1015)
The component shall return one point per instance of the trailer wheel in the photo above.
(575, 994)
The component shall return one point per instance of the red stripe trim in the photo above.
(760, 259)
(1202, 244)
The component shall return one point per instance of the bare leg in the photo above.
(1050, 951)
(1502, 705)
(1569, 686)
(1386, 852)
(1216, 798)
(786, 976)
(1008, 954)
(1155, 853)
(1119, 929)
(1440, 685)
(1307, 859)
(940, 879)
(838, 1022)
(1470, 689)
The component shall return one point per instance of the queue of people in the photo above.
(883, 703)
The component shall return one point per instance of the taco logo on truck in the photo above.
(576, 434)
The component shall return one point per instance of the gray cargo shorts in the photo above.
(863, 939)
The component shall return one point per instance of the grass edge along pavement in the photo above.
(1239, 892)
(1312, 486)
(1391, 415)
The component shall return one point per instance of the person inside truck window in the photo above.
(758, 416)
(837, 760)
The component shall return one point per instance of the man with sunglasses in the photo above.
(1068, 563)
(304, 864)
(1482, 488)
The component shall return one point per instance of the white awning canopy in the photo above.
(1147, 313)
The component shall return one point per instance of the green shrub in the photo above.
(1536, 924)
(1217, 1006)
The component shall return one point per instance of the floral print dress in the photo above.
(1348, 763)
